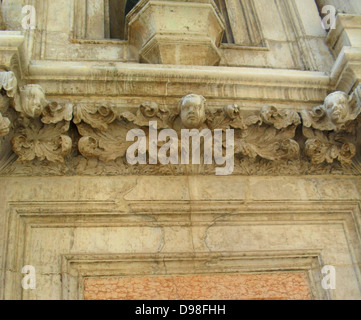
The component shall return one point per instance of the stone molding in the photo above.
(231, 83)
(77, 268)
(25, 217)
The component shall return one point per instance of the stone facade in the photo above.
(95, 226)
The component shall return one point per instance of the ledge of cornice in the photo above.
(11, 38)
(43, 69)
(169, 81)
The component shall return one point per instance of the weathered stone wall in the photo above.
(74, 228)
(87, 224)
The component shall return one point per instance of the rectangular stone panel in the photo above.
(261, 286)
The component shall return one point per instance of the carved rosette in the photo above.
(43, 128)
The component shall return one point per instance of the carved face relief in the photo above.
(33, 100)
(338, 107)
(192, 111)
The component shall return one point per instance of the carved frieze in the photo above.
(148, 112)
(98, 132)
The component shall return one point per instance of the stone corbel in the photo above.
(330, 129)
(41, 126)
(336, 113)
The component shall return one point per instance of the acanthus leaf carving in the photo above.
(105, 145)
(150, 111)
(98, 116)
(268, 143)
(255, 139)
(280, 119)
(329, 129)
(327, 147)
(42, 141)
(230, 117)
(219, 119)
(55, 112)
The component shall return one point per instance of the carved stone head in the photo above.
(338, 107)
(33, 100)
(192, 111)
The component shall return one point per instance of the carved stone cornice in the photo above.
(303, 88)
(58, 132)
